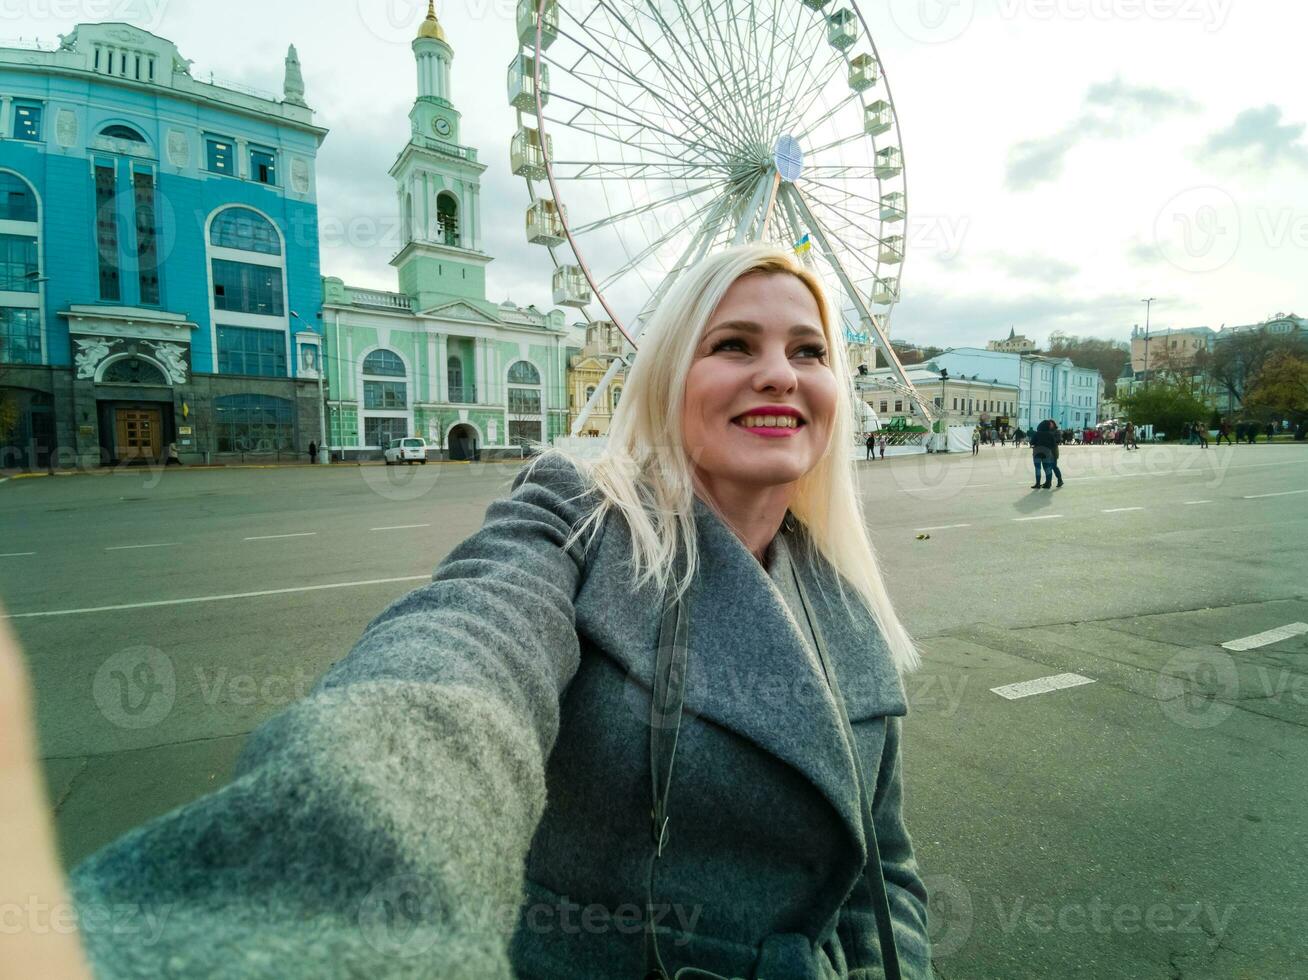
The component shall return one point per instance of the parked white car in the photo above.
(411, 450)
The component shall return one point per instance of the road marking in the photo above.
(1266, 637)
(1118, 510)
(18, 554)
(1041, 685)
(398, 527)
(940, 527)
(269, 537)
(1281, 493)
(1041, 517)
(126, 547)
(977, 486)
(218, 598)
(1198, 501)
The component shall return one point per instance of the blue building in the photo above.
(159, 274)
(1047, 387)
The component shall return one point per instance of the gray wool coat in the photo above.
(467, 793)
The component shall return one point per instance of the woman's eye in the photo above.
(729, 342)
(813, 350)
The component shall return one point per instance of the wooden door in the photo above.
(140, 433)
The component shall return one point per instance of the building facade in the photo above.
(958, 400)
(161, 278)
(1014, 343)
(1168, 350)
(436, 359)
(1047, 387)
(586, 370)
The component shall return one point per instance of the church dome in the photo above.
(431, 27)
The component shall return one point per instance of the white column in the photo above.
(242, 157)
(433, 370)
(6, 116)
(442, 370)
(479, 371)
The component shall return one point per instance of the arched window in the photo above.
(447, 218)
(133, 371)
(245, 229)
(122, 133)
(384, 362)
(253, 423)
(17, 202)
(524, 373)
(617, 395)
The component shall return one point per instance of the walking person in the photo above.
(1224, 432)
(313, 451)
(174, 459)
(444, 772)
(1058, 439)
(1043, 448)
(871, 444)
(976, 439)
(1128, 437)
(1201, 432)
(881, 445)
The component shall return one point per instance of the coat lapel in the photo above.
(750, 667)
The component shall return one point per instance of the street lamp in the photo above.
(32, 277)
(322, 396)
(1148, 305)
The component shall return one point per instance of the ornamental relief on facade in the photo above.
(179, 148)
(169, 358)
(66, 128)
(300, 175)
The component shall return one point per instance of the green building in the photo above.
(437, 359)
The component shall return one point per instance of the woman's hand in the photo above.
(38, 934)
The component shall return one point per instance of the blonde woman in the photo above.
(645, 722)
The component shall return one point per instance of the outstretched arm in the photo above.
(379, 827)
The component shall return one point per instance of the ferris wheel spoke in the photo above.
(851, 219)
(637, 170)
(821, 79)
(843, 192)
(646, 208)
(699, 245)
(662, 95)
(583, 108)
(798, 49)
(654, 246)
(678, 75)
(851, 97)
(748, 84)
(727, 84)
(836, 171)
(843, 141)
(856, 251)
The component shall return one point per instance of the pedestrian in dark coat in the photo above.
(313, 451)
(468, 792)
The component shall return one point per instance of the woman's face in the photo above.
(760, 396)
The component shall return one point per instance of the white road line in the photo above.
(126, 547)
(269, 537)
(1118, 510)
(398, 527)
(18, 554)
(940, 527)
(218, 598)
(1041, 685)
(1041, 517)
(1198, 501)
(1281, 493)
(1266, 637)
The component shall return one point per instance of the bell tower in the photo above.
(438, 186)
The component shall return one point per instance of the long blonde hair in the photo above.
(644, 472)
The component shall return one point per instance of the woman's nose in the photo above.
(775, 371)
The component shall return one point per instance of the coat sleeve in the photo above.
(904, 888)
(379, 827)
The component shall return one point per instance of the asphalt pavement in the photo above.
(1140, 815)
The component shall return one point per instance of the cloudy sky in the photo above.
(1065, 158)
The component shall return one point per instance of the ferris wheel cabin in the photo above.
(527, 154)
(892, 206)
(842, 29)
(890, 162)
(522, 83)
(862, 72)
(570, 286)
(526, 22)
(545, 223)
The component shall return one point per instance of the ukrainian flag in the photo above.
(803, 245)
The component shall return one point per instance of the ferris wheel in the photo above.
(650, 132)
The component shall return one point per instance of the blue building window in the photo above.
(246, 350)
(147, 250)
(106, 231)
(27, 121)
(245, 229)
(17, 202)
(242, 287)
(119, 132)
(263, 166)
(20, 336)
(220, 156)
(18, 270)
(253, 423)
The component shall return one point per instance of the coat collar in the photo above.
(750, 667)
